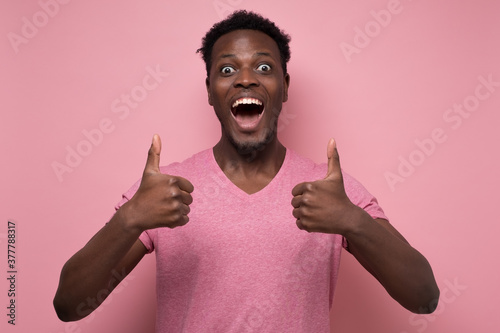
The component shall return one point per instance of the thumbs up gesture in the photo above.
(161, 200)
(322, 205)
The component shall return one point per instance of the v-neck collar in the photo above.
(238, 191)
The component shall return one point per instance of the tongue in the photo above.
(247, 119)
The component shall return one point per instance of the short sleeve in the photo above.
(147, 239)
(360, 196)
(128, 195)
(147, 236)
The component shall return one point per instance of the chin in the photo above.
(253, 146)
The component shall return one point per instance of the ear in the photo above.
(286, 84)
(207, 84)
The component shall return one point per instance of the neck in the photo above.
(266, 161)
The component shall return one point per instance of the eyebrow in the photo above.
(228, 55)
(258, 54)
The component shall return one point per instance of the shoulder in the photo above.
(318, 170)
(307, 170)
(188, 168)
(303, 167)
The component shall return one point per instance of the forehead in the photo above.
(241, 42)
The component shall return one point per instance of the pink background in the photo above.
(65, 68)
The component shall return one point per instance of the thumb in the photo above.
(333, 158)
(153, 161)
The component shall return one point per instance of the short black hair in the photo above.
(241, 20)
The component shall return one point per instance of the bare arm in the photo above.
(402, 270)
(94, 271)
(323, 206)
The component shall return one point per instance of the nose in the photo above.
(246, 77)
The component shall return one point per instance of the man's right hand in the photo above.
(161, 200)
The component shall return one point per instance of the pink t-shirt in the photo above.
(241, 264)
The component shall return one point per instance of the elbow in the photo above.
(427, 300)
(426, 292)
(62, 311)
(432, 302)
(65, 300)
(65, 310)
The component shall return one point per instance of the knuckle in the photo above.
(306, 224)
(337, 177)
(174, 208)
(177, 206)
(173, 181)
(304, 211)
(188, 200)
(175, 220)
(184, 220)
(303, 225)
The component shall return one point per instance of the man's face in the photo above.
(247, 87)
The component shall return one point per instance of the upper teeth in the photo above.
(246, 101)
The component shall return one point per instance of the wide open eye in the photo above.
(264, 68)
(227, 70)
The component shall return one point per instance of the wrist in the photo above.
(127, 220)
(356, 219)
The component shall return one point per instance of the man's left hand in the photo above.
(322, 205)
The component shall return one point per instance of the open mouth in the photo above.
(247, 112)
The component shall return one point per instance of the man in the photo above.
(266, 227)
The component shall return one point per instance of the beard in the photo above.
(250, 149)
